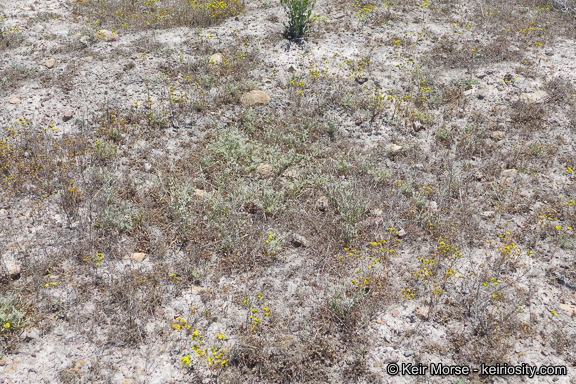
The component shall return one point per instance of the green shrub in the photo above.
(298, 11)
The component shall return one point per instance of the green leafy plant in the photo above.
(299, 12)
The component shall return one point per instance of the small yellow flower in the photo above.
(7, 325)
(221, 337)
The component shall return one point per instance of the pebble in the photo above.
(137, 257)
(68, 115)
(50, 63)
(497, 135)
(408, 353)
(265, 170)
(254, 97)
(300, 241)
(216, 58)
(15, 100)
(395, 313)
(393, 148)
(549, 52)
(322, 204)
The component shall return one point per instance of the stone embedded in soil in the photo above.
(393, 148)
(200, 192)
(254, 97)
(68, 115)
(137, 257)
(2, 362)
(338, 16)
(12, 268)
(107, 35)
(300, 241)
(322, 204)
(216, 58)
(401, 233)
(85, 40)
(421, 312)
(50, 63)
(15, 100)
(265, 170)
(497, 135)
(395, 313)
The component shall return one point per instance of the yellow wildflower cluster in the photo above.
(214, 357)
(216, 9)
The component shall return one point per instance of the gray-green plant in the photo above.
(299, 12)
(11, 315)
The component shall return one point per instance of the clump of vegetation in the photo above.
(298, 12)
(12, 315)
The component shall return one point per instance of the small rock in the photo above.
(265, 170)
(377, 212)
(254, 97)
(31, 334)
(377, 365)
(85, 40)
(83, 73)
(50, 63)
(408, 353)
(422, 312)
(470, 92)
(300, 241)
(137, 257)
(513, 49)
(38, 28)
(433, 206)
(15, 100)
(379, 321)
(128, 381)
(488, 214)
(391, 360)
(395, 313)
(107, 35)
(361, 80)
(571, 309)
(12, 268)
(481, 96)
(549, 52)
(545, 353)
(338, 16)
(2, 362)
(393, 148)
(216, 58)
(497, 135)
(11, 368)
(322, 204)
(509, 173)
(401, 233)
(200, 192)
(68, 115)
(147, 167)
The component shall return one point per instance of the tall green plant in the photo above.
(299, 12)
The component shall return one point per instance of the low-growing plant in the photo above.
(12, 315)
(299, 12)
